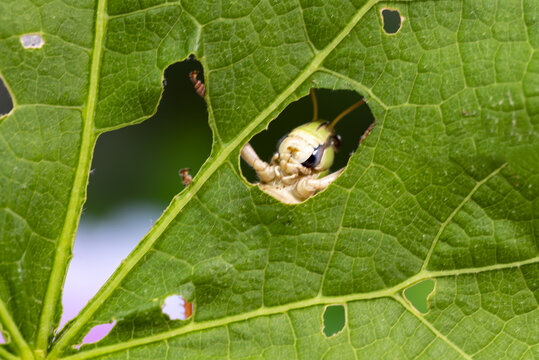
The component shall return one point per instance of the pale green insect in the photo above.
(300, 167)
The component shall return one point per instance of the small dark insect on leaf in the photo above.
(199, 86)
(466, 113)
(186, 178)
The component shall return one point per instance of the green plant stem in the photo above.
(4, 354)
(15, 334)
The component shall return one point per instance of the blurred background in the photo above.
(135, 172)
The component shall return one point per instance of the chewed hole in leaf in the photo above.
(98, 332)
(391, 20)
(6, 102)
(177, 308)
(326, 106)
(418, 295)
(32, 41)
(100, 246)
(141, 163)
(334, 320)
(135, 174)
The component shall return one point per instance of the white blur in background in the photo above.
(100, 246)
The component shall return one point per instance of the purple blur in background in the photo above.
(100, 246)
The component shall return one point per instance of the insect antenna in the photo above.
(315, 105)
(344, 113)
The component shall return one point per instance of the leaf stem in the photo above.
(78, 193)
(16, 336)
(4, 354)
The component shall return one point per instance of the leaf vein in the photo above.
(267, 311)
(456, 210)
(432, 328)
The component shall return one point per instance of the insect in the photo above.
(199, 86)
(301, 165)
(186, 178)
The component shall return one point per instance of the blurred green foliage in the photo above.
(141, 162)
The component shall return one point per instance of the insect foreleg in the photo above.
(186, 177)
(199, 86)
(264, 170)
(292, 168)
(308, 186)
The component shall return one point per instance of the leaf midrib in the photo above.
(205, 173)
(78, 191)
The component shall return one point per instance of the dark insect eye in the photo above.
(315, 157)
(309, 163)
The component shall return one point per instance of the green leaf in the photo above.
(444, 188)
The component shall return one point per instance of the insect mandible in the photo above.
(300, 167)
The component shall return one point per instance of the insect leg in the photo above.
(199, 86)
(367, 132)
(308, 186)
(293, 168)
(263, 169)
(186, 177)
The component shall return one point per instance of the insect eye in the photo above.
(315, 157)
(309, 163)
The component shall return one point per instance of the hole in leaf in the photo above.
(418, 295)
(98, 332)
(32, 41)
(334, 320)
(177, 308)
(140, 163)
(100, 246)
(2, 338)
(391, 20)
(330, 104)
(135, 175)
(6, 102)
